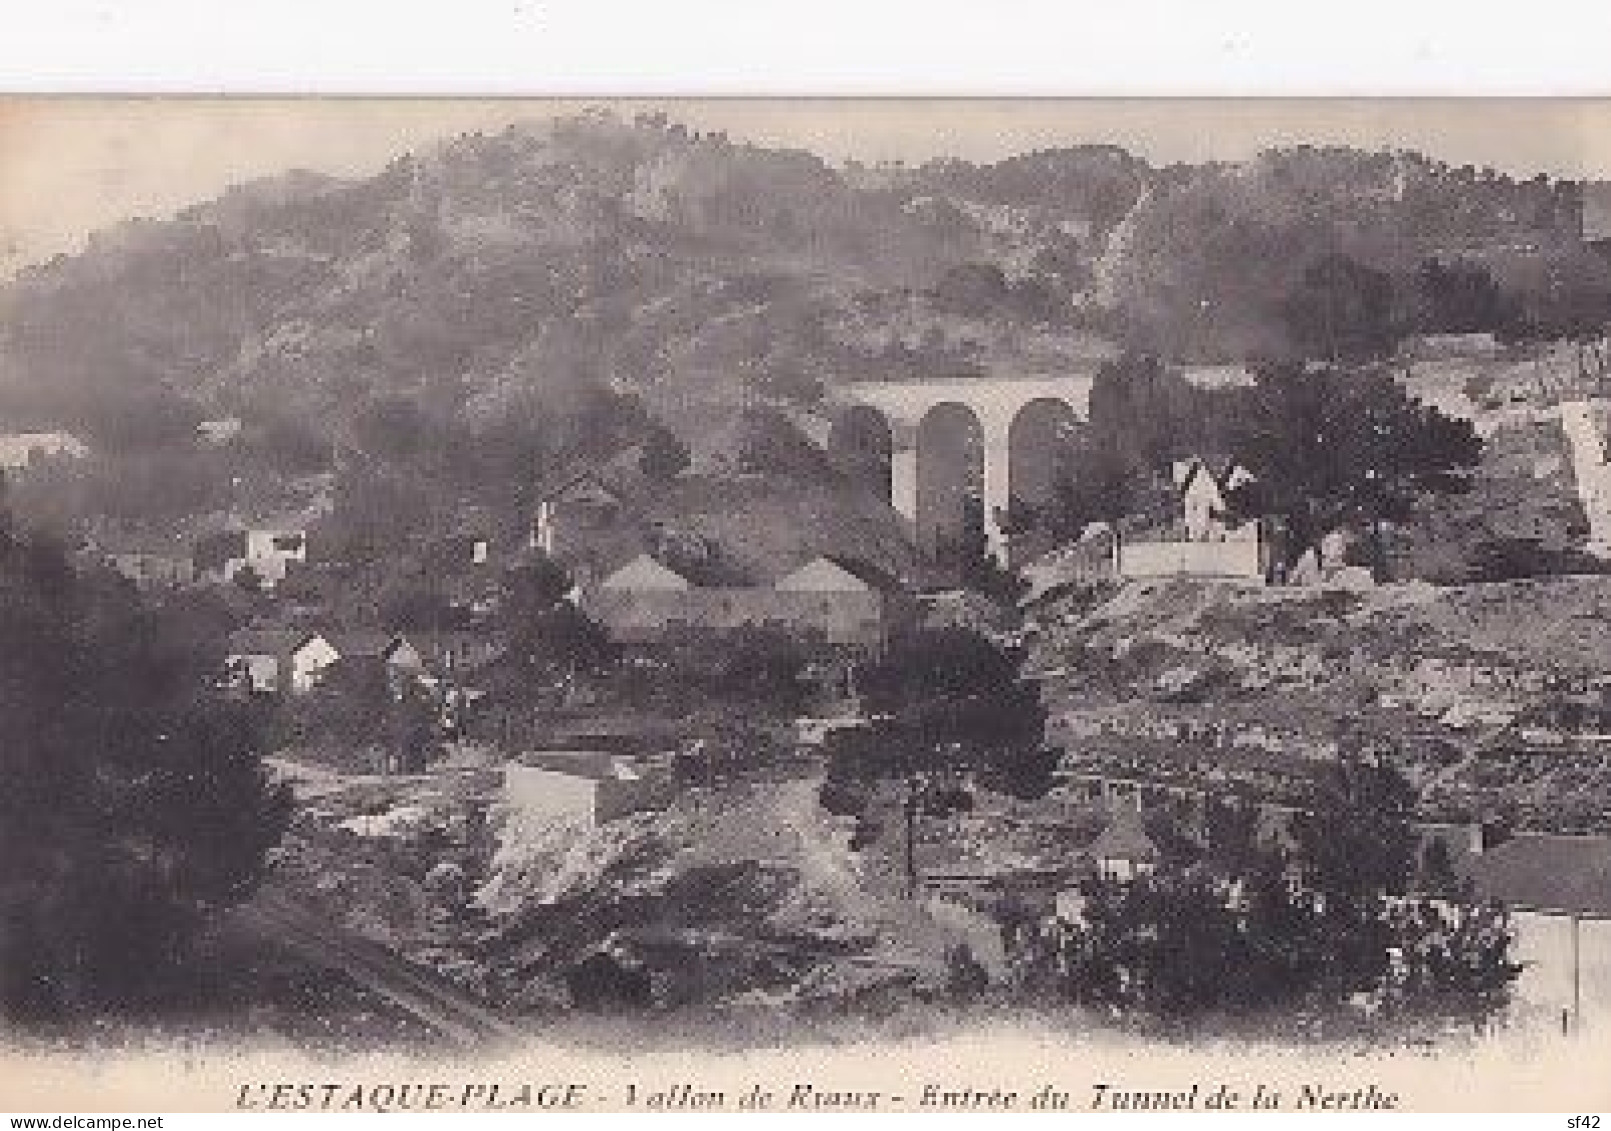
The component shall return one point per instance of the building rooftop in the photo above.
(1547, 872)
(362, 642)
(266, 641)
(594, 765)
(1125, 838)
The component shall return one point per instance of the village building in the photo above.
(1557, 890)
(20, 451)
(454, 651)
(824, 601)
(1122, 852)
(1202, 541)
(587, 517)
(216, 433)
(1205, 500)
(277, 661)
(581, 789)
(396, 655)
(267, 553)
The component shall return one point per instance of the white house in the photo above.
(580, 789)
(1121, 852)
(274, 660)
(270, 550)
(266, 551)
(1557, 889)
(1204, 501)
(1205, 543)
(644, 573)
(20, 450)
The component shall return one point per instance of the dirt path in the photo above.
(922, 928)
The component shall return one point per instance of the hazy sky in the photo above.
(69, 166)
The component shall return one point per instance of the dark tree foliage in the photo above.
(419, 608)
(948, 711)
(1143, 416)
(1459, 298)
(664, 456)
(1344, 905)
(548, 640)
(757, 674)
(1341, 311)
(1336, 449)
(359, 706)
(968, 559)
(136, 801)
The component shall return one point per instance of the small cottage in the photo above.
(20, 451)
(266, 661)
(1205, 489)
(582, 788)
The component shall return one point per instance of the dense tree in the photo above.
(1341, 311)
(1343, 905)
(1143, 417)
(1459, 298)
(136, 801)
(1333, 449)
(948, 712)
(756, 673)
(664, 456)
(549, 641)
(361, 708)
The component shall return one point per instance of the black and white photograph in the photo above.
(707, 605)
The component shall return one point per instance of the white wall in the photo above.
(1579, 423)
(542, 796)
(1544, 947)
(1190, 559)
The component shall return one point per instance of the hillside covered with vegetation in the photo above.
(483, 311)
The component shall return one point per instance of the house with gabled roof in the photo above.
(822, 600)
(1557, 891)
(1205, 486)
(1123, 850)
(582, 505)
(1203, 542)
(645, 573)
(277, 660)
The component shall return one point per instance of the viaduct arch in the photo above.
(951, 455)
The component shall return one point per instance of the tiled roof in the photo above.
(361, 642)
(1123, 839)
(595, 765)
(265, 641)
(1545, 872)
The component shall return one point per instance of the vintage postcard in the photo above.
(805, 605)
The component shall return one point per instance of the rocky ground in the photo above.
(741, 896)
(1491, 693)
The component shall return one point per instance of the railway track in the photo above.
(425, 995)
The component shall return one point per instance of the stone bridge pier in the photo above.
(952, 456)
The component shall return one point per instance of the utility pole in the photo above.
(1577, 975)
